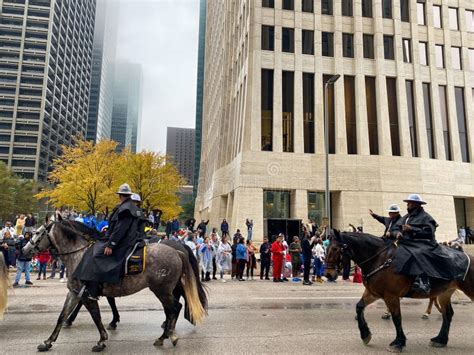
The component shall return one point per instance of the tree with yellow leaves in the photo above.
(154, 179)
(84, 177)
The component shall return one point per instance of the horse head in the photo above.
(335, 253)
(40, 241)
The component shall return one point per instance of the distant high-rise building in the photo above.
(180, 148)
(45, 71)
(199, 92)
(127, 105)
(99, 124)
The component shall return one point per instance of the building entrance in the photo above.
(289, 227)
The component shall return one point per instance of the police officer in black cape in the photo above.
(419, 226)
(103, 263)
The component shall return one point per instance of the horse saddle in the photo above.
(135, 263)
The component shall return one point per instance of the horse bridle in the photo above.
(35, 240)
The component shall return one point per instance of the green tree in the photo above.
(16, 195)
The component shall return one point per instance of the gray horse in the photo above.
(167, 268)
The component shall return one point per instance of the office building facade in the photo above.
(401, 116)
(99, 123)
(127, 105)
(45, 70)
(180, 149)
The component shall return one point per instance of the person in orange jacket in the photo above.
(278, 251)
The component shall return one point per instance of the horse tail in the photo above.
(4, 284)
(467, 285)
(194, 293)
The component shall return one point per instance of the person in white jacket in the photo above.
(224, 257)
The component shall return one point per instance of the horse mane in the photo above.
(367, 239)
(73, 229)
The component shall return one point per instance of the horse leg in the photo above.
(69, 304)
(93, 308)
(172, 308)
(447, 311)
(116, 319)
(72, 317)
(427, 313)
(393, 303)
(367, 298)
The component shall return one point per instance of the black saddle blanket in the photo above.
(135, 263)
(413, 258)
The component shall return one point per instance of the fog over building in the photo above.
(180, 148)
(99, 123)
(127, 105)
(401, 116)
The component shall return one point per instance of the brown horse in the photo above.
(373, 255)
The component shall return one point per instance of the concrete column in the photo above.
(299, 205)
(248, 203)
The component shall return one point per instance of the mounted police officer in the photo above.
(103, 263)
(418, 226)
(390, 222)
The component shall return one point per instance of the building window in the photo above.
(288, 40)
(288, 5)
(346, 7)
(367, 8)
(327, 44)
(437, 18)
(331, 114)
(462, 126)
(350, 110)
(371, 104)
(471, 59)
(307, 6)
(423, 48)
(406, 50)
(276, 204)
(443, 106)
(420, 12)
(393, 114)
(405, 10)
(388, 47)
(470, 20)
(308, 112)
(316, 207)
(326, 7)
(267, 109)
(368, 41)
(348, 45)
(411, 117)
(429, 119)
(453, 19)
(288, 93)
(268, 38)
(308, 42)
(456, 58)
(268, 3)
(439, 52)
(387, 8)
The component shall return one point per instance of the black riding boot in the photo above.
(422, 284)
(92, 288)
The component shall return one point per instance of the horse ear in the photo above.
(59, 217)
(337, 235)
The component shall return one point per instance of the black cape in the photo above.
(121, 237)
(413, 258)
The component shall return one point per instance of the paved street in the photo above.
(244, 317)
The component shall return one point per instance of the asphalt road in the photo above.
(244, 317)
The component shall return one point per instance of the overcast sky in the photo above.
(162, 35)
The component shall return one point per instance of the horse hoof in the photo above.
(386, 316)
(367, 339)
(44, 347)
(425, 316)
(174, 340)
(98, 348)
(112, 326)
(434, 344)
(158, 342)
(395, 348)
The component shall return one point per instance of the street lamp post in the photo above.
(327, 195)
